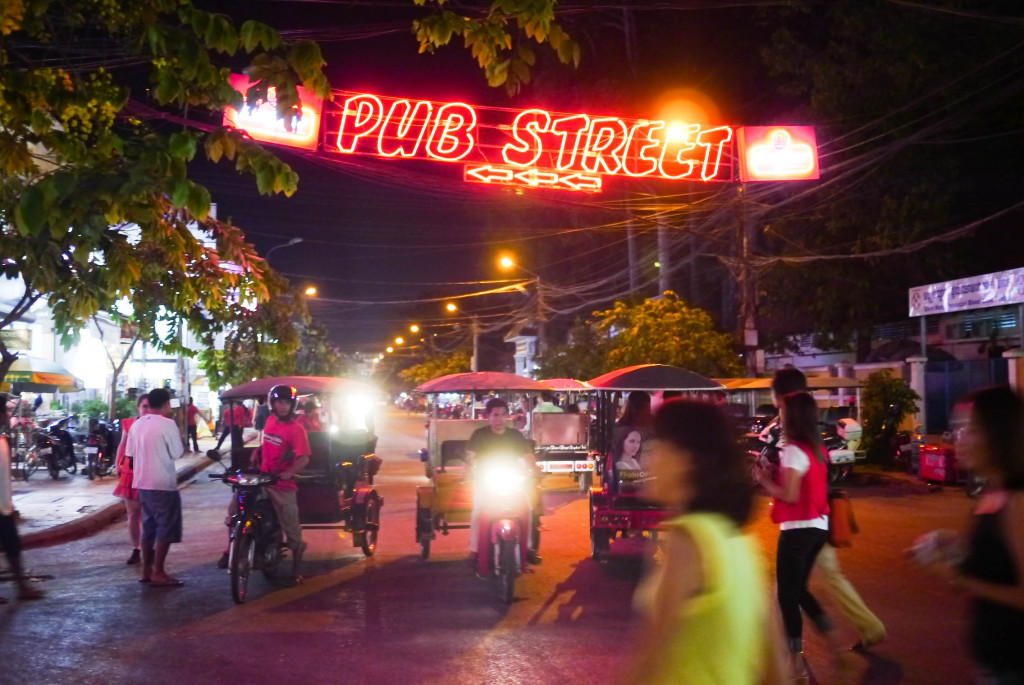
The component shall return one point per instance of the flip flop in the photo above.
(172, 582)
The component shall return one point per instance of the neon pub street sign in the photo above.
(538, 148)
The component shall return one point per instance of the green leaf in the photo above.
(180, 192)
(29, 214)
(199, 201)
(182, 144)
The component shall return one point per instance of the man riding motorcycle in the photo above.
(495, 440)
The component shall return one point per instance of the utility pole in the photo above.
(475, 362)
(747, 319)
(663, 257)
(634, 275)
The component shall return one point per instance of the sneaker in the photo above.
(135, 558)
(223, 561)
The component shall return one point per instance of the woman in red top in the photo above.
(124, 487)
(800, 506)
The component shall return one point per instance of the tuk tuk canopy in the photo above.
(482, 381)
(652, 378)
(304, 385)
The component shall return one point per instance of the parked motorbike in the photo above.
(257, 541)
(53, 446)
(99, 452)
(841, 447)
(505, 522)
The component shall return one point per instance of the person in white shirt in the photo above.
(154, 443)
(9, 538)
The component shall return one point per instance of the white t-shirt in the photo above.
(154, 442)
(792, 457)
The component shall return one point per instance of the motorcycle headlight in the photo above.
(502, 480)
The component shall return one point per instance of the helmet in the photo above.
(283, 392)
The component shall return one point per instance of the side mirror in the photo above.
(424, 456)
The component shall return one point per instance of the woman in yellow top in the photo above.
(709, 616)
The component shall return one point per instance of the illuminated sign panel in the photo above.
(533, 147)
(262, 123)
(777, 153)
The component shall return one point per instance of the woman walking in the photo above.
(992, 573)
(799, 494)
(124, 488)
(710, 620)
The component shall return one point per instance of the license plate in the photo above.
(92, 450)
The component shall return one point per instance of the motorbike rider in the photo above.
(496, 439)
(284, 452)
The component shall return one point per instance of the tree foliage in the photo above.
(499, 36)
(662, 330)
(436, 365)
(885, 402)
(96, 204)
(886, 87)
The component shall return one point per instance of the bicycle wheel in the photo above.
(31, 462)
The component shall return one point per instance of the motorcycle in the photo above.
(840, 446)
(53, 446)
(505, 523)
(99, 452)
(257, 541)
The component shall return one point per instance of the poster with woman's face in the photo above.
(629, 456)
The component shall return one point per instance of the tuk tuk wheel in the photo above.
(585, 481)
(599, 543)
(371, 526)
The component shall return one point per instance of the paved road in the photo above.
(395, 619)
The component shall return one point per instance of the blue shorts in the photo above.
(161, 516)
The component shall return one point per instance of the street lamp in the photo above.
(414, 328)
(292, 241)
(310, 291)
(475, 328)
(390, 350)
(399, 340)
(506, 262)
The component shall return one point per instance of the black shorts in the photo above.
(161, 516)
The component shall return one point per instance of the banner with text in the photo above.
(975, 292)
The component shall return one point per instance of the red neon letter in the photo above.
(525, 153)
(678, 140)
(361, 117)
(607, 138)
(564, 128)
(395, 130)
(641, 134)
(714, 140)
(452, 140)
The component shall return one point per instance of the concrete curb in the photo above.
(97, 520)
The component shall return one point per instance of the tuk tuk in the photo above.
(616, 503)
(447, 501)
(336, 487)
(563, 440)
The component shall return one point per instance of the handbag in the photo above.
(842, 525)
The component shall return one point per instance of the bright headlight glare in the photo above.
(503, 480)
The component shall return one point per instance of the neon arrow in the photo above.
(489, 174)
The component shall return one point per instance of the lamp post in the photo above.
(506, 262)
(291, 241)
(474, 323)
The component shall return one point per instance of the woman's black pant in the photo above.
(797, 550)
(9, 539)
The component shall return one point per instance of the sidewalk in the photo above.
(57, 511)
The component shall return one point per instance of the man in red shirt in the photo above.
(284, 452)
(193, 434)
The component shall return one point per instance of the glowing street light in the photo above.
(390, 350)
(414, 328)
(451, 307)
(506, 262)
(399, 340)
(311, 291)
